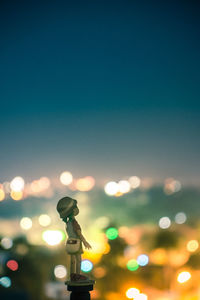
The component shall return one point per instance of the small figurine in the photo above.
(67, 208)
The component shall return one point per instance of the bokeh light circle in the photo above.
(192, 245)
(5, 281)
(142, 260)
(6, 243)
(44, 220)
(164, 222)
(111, 188)
(66, 178)
(132, 265)
(12, 265)
(17, 184)
(26, 223)
(60, 271)
(132, 292)
(180, 218)
(112, 233)
(134, 182)
(53, 237)
(183, 277)
(86, 265)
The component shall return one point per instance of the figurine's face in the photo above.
(75, 211)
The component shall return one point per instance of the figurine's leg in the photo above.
(78, 263)
(73, 264)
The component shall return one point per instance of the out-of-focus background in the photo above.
(100, 102)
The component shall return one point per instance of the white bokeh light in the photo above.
(17, 184)
(180, 218)
(66, 178)
(26, 223)
(124, 186)
(164, 222)
(111, 188)
(60, 271)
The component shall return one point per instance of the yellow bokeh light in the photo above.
(17, 184)
(44, 220)
(183, 277)
(85, 184)
(26, 223)
(159, 256)
(16, 195)
(141, 297)
(2, 195)
(132, 292)
(192, 245)
(66, 178)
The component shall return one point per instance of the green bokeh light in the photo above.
(112, 233)
(132, 265)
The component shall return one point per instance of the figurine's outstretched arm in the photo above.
(85, 243)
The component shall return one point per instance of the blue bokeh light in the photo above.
(142, 260)
(5, 281)
(86, 265)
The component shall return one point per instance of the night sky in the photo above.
(102, 88)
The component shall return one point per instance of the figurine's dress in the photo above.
(72, 228)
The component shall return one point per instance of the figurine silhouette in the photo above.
(67, 209)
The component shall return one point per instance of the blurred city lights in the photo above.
(124, 186)
(132, 265)
(112, 233)
(6, 187)
(17, 184)
(2, 194)
(171, 186)
(5, 281)
(123, 231)
(192, 245)
(86, 265)
(16, 195)
(12, 265)
(6, 243)
(102, 222)
(44, 183)
(111, 188)
(99, 272)
(159, 256)
(21, 249)
(141, 297)
(53, 237)
(60, 271)
(85, 184)
(183, 277)
(164, 222)
(106, 249)
(180, 218)
(134, 182)
(26, 223)
(132, 292)
(66, 178)
(44, 220)
(142, 260)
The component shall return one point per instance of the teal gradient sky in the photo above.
(102, 88)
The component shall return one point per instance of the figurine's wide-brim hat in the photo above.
(65, 206)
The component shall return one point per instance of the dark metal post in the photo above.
(81, 292)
